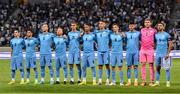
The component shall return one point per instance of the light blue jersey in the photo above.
(60, 45)
(162, 39)
(17, 44)
(116, 43)
(132, 47)
(74, 40)
(88, 43)
(103, 38)
(132, 39)
(30, 44)
(46, 40)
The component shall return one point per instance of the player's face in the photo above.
(131, 27)
(115, 28)
(87, 28)
(147, 23)
(160, 27)
(16, 33)
(59, 31)
(101, 25)
(73, 26)
(29, 34)
(45, 28)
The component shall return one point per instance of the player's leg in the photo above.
(150, 60)
(20, 67)
(84, 66)
(100, 66)
(13, 71)
(71, 62)
(57, 60)
(106, 62)
(78, 65)
(33, 65)
(129, 66)
(168, 74)
(27, 69)
(120, 65)
(143, 60)
(48, 59)
(158, 70)
(136, 63)
(64, 66)
(113, 65)
(42, 65)
(91, 61)
(168, 78)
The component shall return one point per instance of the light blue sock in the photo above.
(100, 73)
(36, 73)
(121, 76)
(157, 75)
(93, 71)
(65, 72)
(13, 73)
(136, 72)
(129, 73)
(42, 71)
(108, 73)
(57, 72)
(79, 71)
(113, 75)
(167, 75)
(71, 71)
(51, 71)
(28, 73)
(84, 72)
(22, 73)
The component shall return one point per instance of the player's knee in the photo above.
(100, 66)
(129, 67)
(113, 68)
(107, 66)
(120, 68)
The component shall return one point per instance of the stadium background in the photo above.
(24, 14)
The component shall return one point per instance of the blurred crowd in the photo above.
(61, 14)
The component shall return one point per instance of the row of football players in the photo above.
(100, 38)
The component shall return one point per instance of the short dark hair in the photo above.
(89, 24)
(115, 24)
(148, 19)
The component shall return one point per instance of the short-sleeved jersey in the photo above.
(17, 44)
(74, 41)
(162, 39)
(102, 38)
(132, 40)
(88, 42)
(30, 44)
(46, 40)
(116, 43)
(60, 45)
(147, 38)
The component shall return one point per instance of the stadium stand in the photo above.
(61, 14)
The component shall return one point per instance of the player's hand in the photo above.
(167, 56)
(65, 36)
(81, 34)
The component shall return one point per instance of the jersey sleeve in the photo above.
(11, 44)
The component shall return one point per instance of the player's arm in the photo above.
(170, 46)
(11, 50)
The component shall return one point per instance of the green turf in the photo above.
(46, 88)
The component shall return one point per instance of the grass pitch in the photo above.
(5, 77)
